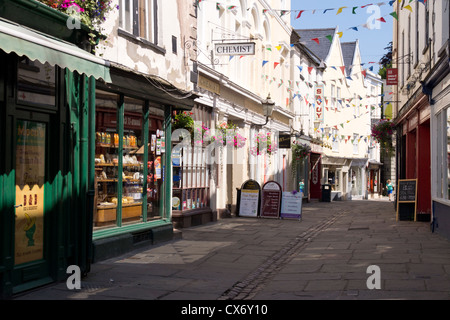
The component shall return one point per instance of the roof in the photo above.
(348, 53)
(322, 48)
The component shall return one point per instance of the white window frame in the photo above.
(150, 9)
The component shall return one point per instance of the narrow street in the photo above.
(325, 256)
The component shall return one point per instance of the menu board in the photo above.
(271, 200)
(291, 205)
(249, 203)
(249, 199)
(406, 199)
(407, 190)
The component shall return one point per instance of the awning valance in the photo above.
(38, 46)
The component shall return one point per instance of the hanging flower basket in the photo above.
(382, 132)
(227, 134)
(300, 152)
(264, 144)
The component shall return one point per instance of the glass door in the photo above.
(30, 229)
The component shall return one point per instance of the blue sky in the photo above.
(372, 42)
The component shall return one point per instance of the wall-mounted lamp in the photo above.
(268, 106)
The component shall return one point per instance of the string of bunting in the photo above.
(339, 10)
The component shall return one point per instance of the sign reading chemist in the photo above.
(235, 49)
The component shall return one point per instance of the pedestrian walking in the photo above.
(390, 189)
(301, 187)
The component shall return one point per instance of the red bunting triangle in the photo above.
(275, 64)
(381, 19)
(316, 40)
(343, 69)
(310, 69)
(300, 14)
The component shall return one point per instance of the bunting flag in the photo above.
(299, 13)
(340, 10)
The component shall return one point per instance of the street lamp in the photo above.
(268, 106)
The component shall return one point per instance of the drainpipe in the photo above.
(91, 172)
(84, 156)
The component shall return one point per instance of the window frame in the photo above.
(134, 29)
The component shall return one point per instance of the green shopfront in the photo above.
(82, 159)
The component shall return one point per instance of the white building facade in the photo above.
(233, 84)
(345, 125)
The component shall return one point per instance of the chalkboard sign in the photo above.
(406, 199)
(407, 190)
(271, 200)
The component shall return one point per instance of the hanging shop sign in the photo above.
(284, 141)
(249, 201)
(318, 109)
(271, 200)
(392, 77)
(235, 49)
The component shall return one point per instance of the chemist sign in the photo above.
(235, 49)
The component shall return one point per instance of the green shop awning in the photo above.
(38, 46)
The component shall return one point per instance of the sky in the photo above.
(371, 42)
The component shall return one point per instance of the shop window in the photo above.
(191, 174)
(106, 159)
(139, 17)
(132, 160)
(129, 182)
(302, 176)
(156, 151)
(35, 83)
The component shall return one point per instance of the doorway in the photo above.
(31, 227)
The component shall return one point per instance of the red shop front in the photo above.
(414, 150)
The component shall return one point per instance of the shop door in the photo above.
(31, 229)
(316, 186)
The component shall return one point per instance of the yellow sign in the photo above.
(29, 235)
(209, 85)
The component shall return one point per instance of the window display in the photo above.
(190, 171)
(106, 159)
(129, 182)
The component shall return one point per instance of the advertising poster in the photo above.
(30, 176)
(291, 205)
(249, 203)
(271, 199)
(158, 173)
